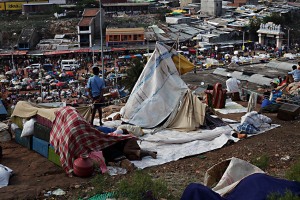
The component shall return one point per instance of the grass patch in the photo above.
(102, 183)
(288, 195)
(142, 186)
(294, 172)
(262, 162)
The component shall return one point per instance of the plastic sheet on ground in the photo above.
(232, 107)
(172, 145)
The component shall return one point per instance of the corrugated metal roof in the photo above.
(280, 65)
(26, 35)
(254, 78)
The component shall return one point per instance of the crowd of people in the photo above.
(50, 83)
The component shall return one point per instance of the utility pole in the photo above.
(243, 48)
(101, 39)
(93, 55)
(288, 43)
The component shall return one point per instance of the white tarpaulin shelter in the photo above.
(161, 98)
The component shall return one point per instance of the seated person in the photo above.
(295, 73)
(275, 98)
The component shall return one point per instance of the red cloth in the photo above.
(72, 136)
(219, 96)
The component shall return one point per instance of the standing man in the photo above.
(233, 85)
(95, 87)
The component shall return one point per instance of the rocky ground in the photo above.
(34, 175)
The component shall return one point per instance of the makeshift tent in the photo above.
(72, 135)
(161, 98)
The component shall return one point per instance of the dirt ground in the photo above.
(34, 175)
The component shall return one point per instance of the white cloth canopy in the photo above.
(160, 96)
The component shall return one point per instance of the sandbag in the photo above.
(135, 130)
(5, 136)
(28, 128)
(5, 174)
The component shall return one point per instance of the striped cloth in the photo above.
(247, 129)
(219, 96)
(72, 136)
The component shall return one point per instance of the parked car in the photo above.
(69, 65)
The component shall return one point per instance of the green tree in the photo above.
(133, 73)
(87, 4)
(276, 18)
(254, 25)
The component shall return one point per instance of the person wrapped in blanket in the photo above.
(251, 123)
(121, 153)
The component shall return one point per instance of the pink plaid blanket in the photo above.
(72, 136)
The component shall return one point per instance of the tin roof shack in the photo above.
(179, 19)
(28, 39)
(60, 42)
(191, 8)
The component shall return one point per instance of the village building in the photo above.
(121, 36)
(211, 7)
(89, 26)
(28, 39)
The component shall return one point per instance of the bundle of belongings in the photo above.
(251, 123)
(236, 179)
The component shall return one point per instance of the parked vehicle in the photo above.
(69, 65)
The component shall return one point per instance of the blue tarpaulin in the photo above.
(3, 110)
(254, 187)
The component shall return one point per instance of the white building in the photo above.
(211, 7)
(270, 34)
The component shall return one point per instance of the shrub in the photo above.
(141, 186)
(262, 162)
(294, 172)
(288, 195)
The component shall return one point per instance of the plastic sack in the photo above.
(98, 159)
(3, 126)
(13, 126)
(5, 174)
(135, 130)
(28, 128)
